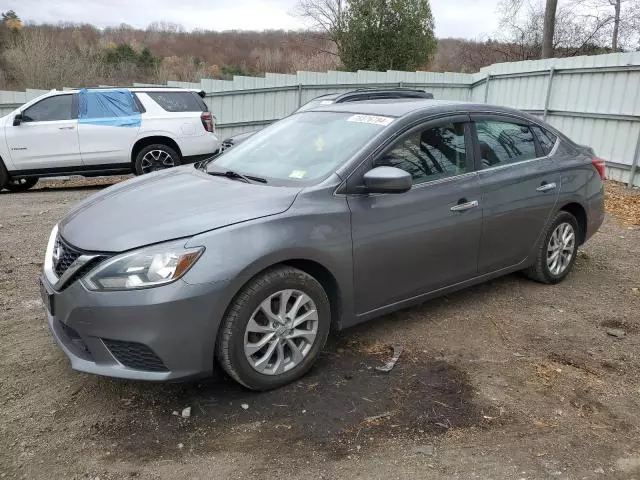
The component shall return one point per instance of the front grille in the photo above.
(66, 255)
(85, 268)
(135, 355)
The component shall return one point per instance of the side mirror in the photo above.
(387, 180)
(17, 120)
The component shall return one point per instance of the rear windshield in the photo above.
(179, 101)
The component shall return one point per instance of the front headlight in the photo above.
(147, 267)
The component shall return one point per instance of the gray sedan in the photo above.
(323, 220)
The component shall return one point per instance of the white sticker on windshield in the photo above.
(298, 174)
(372, 119)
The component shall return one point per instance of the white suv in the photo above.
(102, 132)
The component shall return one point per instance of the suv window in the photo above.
(179, 101)
(58, 107)
(430, 154)
(546, 139)
(502, 143)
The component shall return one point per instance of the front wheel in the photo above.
(557, 250)
(156, 157)
(274, 329)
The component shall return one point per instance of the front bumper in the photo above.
(157, 334)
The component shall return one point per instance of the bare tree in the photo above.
(326, 16)
(581, 27)
(511, 10)
(620, 17)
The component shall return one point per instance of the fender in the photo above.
(239, 252)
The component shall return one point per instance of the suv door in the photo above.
(47, 137)
(520, 187)
(107, 133)
(405, 245)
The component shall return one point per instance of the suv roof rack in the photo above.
(200, 92)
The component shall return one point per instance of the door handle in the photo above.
(66, 128)
(463, 207)
(545, 187)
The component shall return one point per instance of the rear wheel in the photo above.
(275, 329)
(21, 184)
(156, 157)
(557, 250)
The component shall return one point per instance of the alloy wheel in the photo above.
(561, 248)
(281, 332)
(155, 160)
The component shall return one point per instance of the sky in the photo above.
(454, 18)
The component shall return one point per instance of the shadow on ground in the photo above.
(341, 405)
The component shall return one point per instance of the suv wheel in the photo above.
(557, 250)
(21, 184)
(274, 329)
(156, 157)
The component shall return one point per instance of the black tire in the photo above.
(230, 343)
(4, 176)
(140, 164)
(540, 271)
(21, 184)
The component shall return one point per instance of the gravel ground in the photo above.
(506, 380)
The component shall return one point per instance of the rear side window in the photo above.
(546, 139)
(179, 101)
(137, 104)
(59, 107)
(502, 143)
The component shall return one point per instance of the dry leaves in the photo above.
(622, 203)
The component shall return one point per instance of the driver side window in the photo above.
(59, 107)
(430, 154)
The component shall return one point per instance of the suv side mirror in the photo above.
(387, 180)
(17, 120)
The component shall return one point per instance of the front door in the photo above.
(412, 243)
(520, 188)
(47, 137)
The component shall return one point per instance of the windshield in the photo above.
(302, 147)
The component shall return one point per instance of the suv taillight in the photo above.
(207, 122)
(599, 166)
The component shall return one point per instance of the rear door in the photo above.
(520, 187)
(47, 137)
(408, 244)
(108, 127)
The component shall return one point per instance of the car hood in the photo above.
(166, 205)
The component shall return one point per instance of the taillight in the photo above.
(599, 166)
(207, 122)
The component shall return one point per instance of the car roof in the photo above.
(405, 106)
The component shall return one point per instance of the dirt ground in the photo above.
(507, 380)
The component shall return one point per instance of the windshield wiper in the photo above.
(202, 164)
(238, 176)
